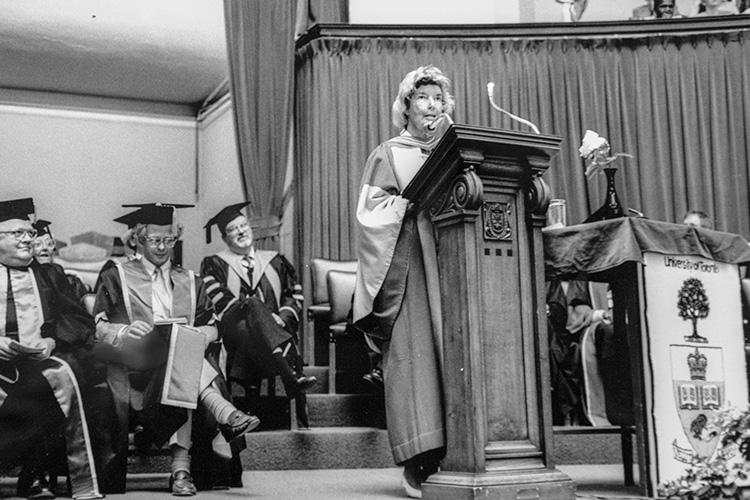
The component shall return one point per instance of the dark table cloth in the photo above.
(589, 251)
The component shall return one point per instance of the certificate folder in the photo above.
(184, 367)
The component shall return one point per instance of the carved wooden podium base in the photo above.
(521, 485)
(487, 202)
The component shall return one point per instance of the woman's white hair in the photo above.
(424, 75)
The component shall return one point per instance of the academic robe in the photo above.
(247, 328)
(140, 383)
(274, 282)
(77, 287)
(569, 314)
(396, 298)
(41, 399)
(578, 338)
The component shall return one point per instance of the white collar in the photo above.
(240, 256)
(150, 267)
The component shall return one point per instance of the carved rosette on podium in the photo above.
(487, 200)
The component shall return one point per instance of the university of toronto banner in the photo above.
(694, 354)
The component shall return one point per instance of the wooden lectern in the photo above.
(484, 192)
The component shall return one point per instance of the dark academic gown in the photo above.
(566, 322)
(77, 287)
(247, 328)
(41, 399)
(117, 306)
(274, 283)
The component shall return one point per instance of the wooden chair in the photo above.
(340, 294)
(319, 310)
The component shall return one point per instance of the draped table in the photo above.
(677, 297)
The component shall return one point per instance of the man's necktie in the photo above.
(161, 295)
(11, 319)
(248, 264)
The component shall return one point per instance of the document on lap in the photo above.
(184, 367)
(25, 349)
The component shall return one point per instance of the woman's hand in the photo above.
(411, 208)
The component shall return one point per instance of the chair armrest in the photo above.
(318, 311)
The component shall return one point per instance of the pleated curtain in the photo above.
(260, 41)
(679, 105)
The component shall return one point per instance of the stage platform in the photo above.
(592, 481)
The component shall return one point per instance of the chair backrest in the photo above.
(319, 268)
(340, 293)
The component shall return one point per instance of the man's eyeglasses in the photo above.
(20, 233)
(154, 241)
(238, 229)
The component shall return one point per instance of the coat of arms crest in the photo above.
(697, 402)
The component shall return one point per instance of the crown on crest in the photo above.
(697, 364)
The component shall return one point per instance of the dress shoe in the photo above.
(141, 440)
(306, 382)
(410, 482)
(39, 489)
(375, 377)
(181, 484)
(239, 424)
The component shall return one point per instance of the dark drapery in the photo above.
(679, 104)
(260, 39)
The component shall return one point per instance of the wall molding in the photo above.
(97, 115)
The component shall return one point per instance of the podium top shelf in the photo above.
(588, 251)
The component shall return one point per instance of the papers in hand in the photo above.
(25, 349)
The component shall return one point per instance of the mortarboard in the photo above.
(130, 219)
(42, 227)
(16, 209)
(160, 214)
(224, 217)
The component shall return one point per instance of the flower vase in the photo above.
(611, 208)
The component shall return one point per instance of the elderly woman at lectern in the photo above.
(396, 299)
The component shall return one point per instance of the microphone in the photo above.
(440, 118)
(491, 92)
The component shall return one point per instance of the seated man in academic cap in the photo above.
(44, 252)
(42, 331)
(258, 294)
(153, 325)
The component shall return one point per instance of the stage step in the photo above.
(321, 373)
(346, 410)
(318, 448)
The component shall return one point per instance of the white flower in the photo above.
(595, 149)
(591, 142)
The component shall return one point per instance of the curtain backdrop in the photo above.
(260, 40)
(681, 106)
(310, 12)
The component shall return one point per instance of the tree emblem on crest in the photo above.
(692, 303)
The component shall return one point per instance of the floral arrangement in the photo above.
(725, 475)
(595, 149)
